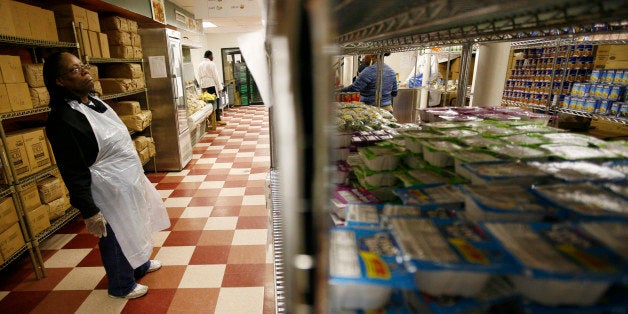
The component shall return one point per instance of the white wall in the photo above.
(215, 42)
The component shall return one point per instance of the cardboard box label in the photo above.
(36, 149)
(8, 215)
(11, 241)
(30, 197)
(38, 219)
(50, 188)
(18, 155)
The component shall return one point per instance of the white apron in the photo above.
(128, 201)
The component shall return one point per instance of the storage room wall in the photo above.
(215, 42)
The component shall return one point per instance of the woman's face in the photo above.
(75, 76)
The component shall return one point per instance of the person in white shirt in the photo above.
(209, 81)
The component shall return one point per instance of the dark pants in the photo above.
(212, 90)
(119, 272)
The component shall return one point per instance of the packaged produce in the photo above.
(413, 161)
(432, 194)
(410, 211)
(504, 172)
(414, 139)
(363, 215)
(363, 269)
(374, 179)
(361, 117)
(579, 171)
(572, 139)
(561, 265)
(493, 131)
(574, 152)
(524, 140)
(342, 172)
(614, 234)
(516, 152)
(584, 200)
(503, 202)
(439, 153)
(449, 256)
(344, 195)
(480, 141)
(428, 175)
(379, 158)
(458, 133)
(618, 147)
(468, 156)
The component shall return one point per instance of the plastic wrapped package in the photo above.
(536, 128)
(614, 234)
(344, 195)
(363, 215)
(363, 269)
(579, 171)
(517, 152)
(469, 156)
(504, 173)
(448, 256)
(574, 152)
(524, 140)
(560, 264)
(413, 161)
(375, 179)
(458, 133)
(410, 211)
(429, 195)
(342, 172)
(584, 200)
(439, 153)
(493, 131)
(572, 139)
(620, 148)
(503, 202)
(379, 158)
(413, 139)
(480, 141)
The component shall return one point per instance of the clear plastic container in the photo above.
(574, 152)
(504, 173)
(468, 156)
(439, 153)
(524, 140)
(480, 141)
(379, 158)
(375, 179)
(432, 194)
(517, 152)
(503, 202)
(572, 139)
(561, 265)
(449, 257)
(579, 171)
(584, 200)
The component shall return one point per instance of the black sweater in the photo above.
(75, 148)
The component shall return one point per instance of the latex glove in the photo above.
(96, 225)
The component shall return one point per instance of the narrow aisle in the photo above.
(216, 255)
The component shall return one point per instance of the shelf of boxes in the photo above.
(118, 95)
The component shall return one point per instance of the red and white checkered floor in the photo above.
(216, 254)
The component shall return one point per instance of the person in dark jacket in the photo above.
(103, 173)
(365, 84)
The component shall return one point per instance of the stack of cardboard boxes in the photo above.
(26, 21)
(29, 153)
(14, 93)
(122, 77)
(11, 239)
(124, 41)
(145, 147)
(132, 115)
(93, 43)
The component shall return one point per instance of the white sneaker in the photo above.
(139, 291)
(155, 265)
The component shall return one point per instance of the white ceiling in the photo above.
(228, 22)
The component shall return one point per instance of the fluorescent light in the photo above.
(209, 24)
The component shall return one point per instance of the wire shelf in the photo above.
(39, 175)
(277, 234)
(58, 223)
(24, 113)
(114, 60)
(113, 96)
(27, 42)
(15, 256)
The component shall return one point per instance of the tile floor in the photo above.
(216, 254)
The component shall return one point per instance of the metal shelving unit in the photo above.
(361, 28)
(129, 93)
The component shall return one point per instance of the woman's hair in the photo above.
(52, 71)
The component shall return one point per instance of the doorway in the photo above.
(239, 83)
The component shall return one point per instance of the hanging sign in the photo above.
(159, 10)
(227, 8)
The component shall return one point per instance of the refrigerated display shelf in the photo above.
(23, 113)
(133, 92)
(58, 223)
(35, 43)
(524, 105)
(277, 234)
(594, 116)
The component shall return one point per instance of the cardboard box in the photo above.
(141, 142)
(8, 214)
(86, 47)
(50, 151)
(104, 45)
(136, 40)
(30, 196)
(138, 53)
(39, 96)
(122, 52)
(50, 25)
(7, 26)
(139, 121)
(34, 74)
(123, 70)
(611, 57)
(38, 219)
(65, 14)
(11, 241)
(36, 149)
(93, 71)
(114, 23)
(50, 188)
(57, 207)
(116, 85)
(37, 24)
(21, 13)
(19, 96)
(17, 155)
(127, 107)
(66, 34)
(11, 69)
(98, 88)
(139, 83)
(144, 155)
(5, 103)
(93, 23)
(94, 44)
(118, 38)
(132, 26)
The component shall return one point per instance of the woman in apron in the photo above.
(103, 173)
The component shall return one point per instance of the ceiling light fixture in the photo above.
(209, 25)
